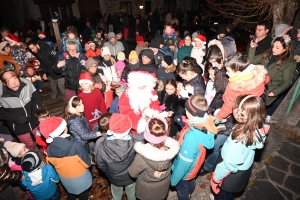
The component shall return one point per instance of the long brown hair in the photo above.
(254, 108)
(66, 113)
(158, 128)
(286, 55)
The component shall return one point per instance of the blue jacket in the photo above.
(114, 106)
(186, 164)
(243, 156)
(41, 183)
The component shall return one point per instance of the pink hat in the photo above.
(120, 65)
(52, 127)
(119, 125)
(152, 138)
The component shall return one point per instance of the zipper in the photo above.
(25, 113)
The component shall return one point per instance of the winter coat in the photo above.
(191, 155)
(63, 45)
(262, 46)
(238, 87)
(91, 53)
(126, 48)
(41, 183)
(150, 67)
(19, 107)
(7, 176)
(109, 71)
(71, 161)
(114, 49)
(140, 47)
(148, 161)
(170, 36)
(158, 57)
(48, 59)
(281, 76)
(129, 67)
(19, 55)
(72, 69)
(198, 53)
(163, 74)
(170, 102)
(183, 52)
(198, 84)
(114, 156)
(80, 130)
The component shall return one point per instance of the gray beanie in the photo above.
(111, 35)
(90, 62)
(279, 29)
(195, 34)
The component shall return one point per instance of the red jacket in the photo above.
(90, 53)
(254, 86)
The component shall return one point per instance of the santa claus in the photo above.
(140, 100)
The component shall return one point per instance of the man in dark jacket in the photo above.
(73, 64)
(18, 102)
(48, 58)
(119, 37)
(158, 54)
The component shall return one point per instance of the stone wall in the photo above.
(112, 6)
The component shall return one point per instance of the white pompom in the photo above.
(49, 140)
(154, 98)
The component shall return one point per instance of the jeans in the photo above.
(185, 188)
(26, 139)
(60, 83)
(211, 160)
(117, 192)
(223, 195)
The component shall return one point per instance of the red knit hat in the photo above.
(119, 125)
(52, 127)
(85, 77)
(181, 43)
(41, 34)
(201, 38)
(140, 39)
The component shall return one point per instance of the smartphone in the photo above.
(253, 38)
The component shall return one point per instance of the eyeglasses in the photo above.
(72, 50)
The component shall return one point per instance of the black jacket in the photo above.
(114, 156)
(158, 57)
(263, 45)
(18, 108)
(129, 67)
(170, 101)
(126, 48)
(48, 58)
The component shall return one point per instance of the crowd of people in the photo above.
(144, 117)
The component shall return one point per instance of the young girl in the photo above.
(232, 173)
(71, 33)
(170, 39)
(169, 103)
(93, 51)
(152, 163)
(77, 123)
(210, 90)
(198, 50)
(36, 80)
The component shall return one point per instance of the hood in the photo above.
(263, 134)
(118, 150)
(205, 139)
(34, 178)
(171, 68)
(260, 76)
(158, 159)
(60, 147)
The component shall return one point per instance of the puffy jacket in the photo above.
(72, 70)
(18, 108)
(129, 67)
(80, 130)
(148, 161)
(114, 49)
(8, 176)
(280, 77)
(114, 156)
(91, 53)
(71, 161)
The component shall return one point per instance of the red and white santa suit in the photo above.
(140, 99)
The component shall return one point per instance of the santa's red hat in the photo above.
(41, 34)
(91, 44)
(201, 38)
(52, 127)
(12, 39)
(85, 77)
(141, 78)
(36, 64)
(119, 125)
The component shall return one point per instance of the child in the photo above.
(77, 124)
(104, 122)
(170, 39)
(120, 65)
(114, 106)
(165, 71)
(40, 178)
(232, 173)
(169, 103)
(121, 57)
(17, 151)
(210, 90)
(42, 37)
(198, 50)
(133, 64)
(69, 158)
(193, 141)
(36, 80)
(152, 163)
(93, 51)
(71, 33)
(107, 66)
(41, 114)
(114, 154)
(91, 66)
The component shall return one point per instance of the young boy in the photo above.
(40, 178)
(69, 158)
(197, 135)
(115, 153)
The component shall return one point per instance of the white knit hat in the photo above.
(105, 51)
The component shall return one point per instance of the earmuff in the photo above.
(71, 108)
(239, 114)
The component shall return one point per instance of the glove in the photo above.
(190, 89)
(183, 93)
(217, 121)
(215, 184)
(148, 112)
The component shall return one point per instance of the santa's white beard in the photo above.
(139, 99)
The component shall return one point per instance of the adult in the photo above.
(186, 49)
(87, 31)
(169, 17)
(119, 37)
(296, 44)
(159, 55)
(48, 58)
(7, 36)
(263, 40)
(99, 40)
(72, 66)
(140, 84)
(18, 102)
(7, 177)
(278, 61)
(114, 46)
(147, 61)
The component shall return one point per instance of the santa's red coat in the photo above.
(126, 109)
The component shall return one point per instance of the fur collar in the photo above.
(171, 68)
(154, 154)
(259, 77)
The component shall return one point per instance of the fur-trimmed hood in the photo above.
(260, 75)
(156, 158)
